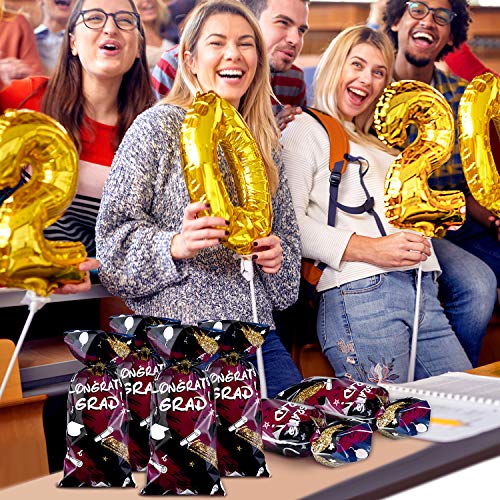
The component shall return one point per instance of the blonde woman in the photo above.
(367, 291)
(154, 250)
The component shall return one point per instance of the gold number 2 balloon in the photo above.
(212, 121)
(480, 104)
(410, 202)
(27, 259)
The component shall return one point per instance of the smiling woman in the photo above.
(367, 290)
(156, 250)
(101, 65)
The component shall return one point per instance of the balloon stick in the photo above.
(247, 271)
(35, 303)
(414, 336)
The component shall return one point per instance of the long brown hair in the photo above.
(255, 105)
(64, 99)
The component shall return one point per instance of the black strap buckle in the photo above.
(369, 204)
(335, 178)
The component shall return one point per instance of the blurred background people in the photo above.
(154, 16)
(49, 34)
(18, 52)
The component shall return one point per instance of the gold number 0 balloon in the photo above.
(209, 122)
(27, 259)
(480, 104)
(410, 202)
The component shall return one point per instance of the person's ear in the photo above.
(190, 62)
(72, 45)
(395, 26)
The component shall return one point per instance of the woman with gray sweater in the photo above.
(155, 251)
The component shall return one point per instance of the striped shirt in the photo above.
(288, 86)
(78, 222)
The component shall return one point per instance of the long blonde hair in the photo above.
(255, 105)
(329, 71)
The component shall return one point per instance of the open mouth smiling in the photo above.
(109, 46)
(357, 94)
(233, 74)
(423, 37)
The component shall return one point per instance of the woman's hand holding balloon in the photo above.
(197, 232)
(87, 265)
(268, 253)
(396, 250)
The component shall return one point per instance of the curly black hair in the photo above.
(395, 9)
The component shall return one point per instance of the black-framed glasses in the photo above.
(419, 10)
(95, 19)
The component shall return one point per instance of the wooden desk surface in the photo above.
(291, 477)
(295, 478)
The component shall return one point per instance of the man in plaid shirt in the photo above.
(423, 32)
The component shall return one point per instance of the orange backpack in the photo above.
(339, 147)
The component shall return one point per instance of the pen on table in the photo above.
(446, 421)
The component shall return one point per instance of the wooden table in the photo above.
(391, 467)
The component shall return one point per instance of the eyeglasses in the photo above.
(419, 10)
(96, 19)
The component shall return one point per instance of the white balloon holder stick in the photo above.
(247, 270)
(414, 336)
(35, 303)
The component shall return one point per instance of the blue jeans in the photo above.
(467, 290)
(279, 367)
(475, 238)
(365, 327)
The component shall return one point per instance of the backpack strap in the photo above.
(339, 148)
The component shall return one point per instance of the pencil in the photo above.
(446, 421)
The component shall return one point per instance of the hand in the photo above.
(197, 233)
(396, 250)
(12, 68)
(286, 115)
(463, 210)
(494, 226)
(87, 265)
(268, 253)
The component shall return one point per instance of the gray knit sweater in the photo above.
(142, 208)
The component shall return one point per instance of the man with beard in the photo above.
(284, 25)
(50, 33)
(423, 32)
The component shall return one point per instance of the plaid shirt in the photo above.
(450, 175)
(288, 86)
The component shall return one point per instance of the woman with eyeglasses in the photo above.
(100, 84)
(367, 290)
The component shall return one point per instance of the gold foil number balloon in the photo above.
(27, 259)
(480, 104)
(210, 122)
(410, 202)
